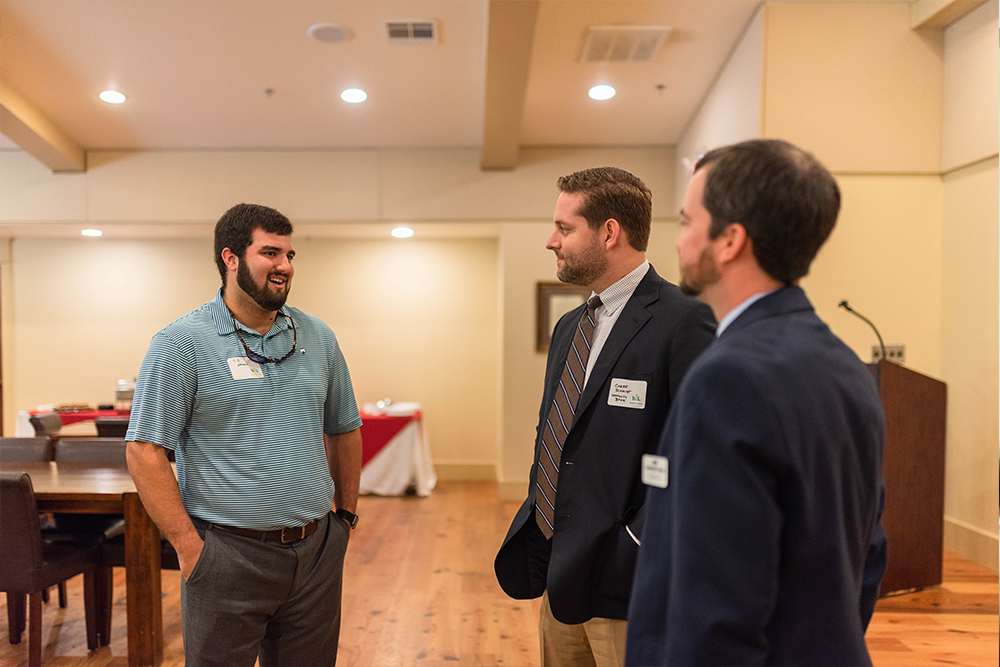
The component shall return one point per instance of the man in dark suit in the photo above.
(762, 542)
(614, 365)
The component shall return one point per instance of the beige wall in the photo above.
(731, 111)
(851, 82)
(971, 89)
(969, 359)
(970, 275)
(417, 321)
(884, 257)
(322, 186)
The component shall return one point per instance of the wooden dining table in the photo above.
(89, 488)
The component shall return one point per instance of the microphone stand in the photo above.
(846, 306)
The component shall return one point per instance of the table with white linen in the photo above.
(396, 455)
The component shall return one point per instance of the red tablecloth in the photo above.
(378, 430)
(84, 415)
(396, 456)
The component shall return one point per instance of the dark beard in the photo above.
(585, 268)
(264, 297)
(701, 275)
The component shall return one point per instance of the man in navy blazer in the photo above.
(645, 335)
(762, 542)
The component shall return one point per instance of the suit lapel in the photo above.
(632, 319)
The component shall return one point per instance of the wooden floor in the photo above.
(420, 590)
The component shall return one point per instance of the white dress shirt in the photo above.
(613, 301)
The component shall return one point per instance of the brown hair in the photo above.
(234, 230)
(786, 200)
(609, 192)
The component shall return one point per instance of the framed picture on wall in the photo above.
(555, 300)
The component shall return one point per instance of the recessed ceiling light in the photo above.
(402, 232)
(354, 95)
(601, 92)
(112, 97)
(91, 232)
(329, 33)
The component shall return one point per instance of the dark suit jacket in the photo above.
(760, 550)
(587, 568)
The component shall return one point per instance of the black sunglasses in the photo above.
(260, 359)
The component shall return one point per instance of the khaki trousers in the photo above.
(600, 642)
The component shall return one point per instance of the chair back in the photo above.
(20, 533)
(91, 450)
(46, 423)
(27, 449)
(111, 427)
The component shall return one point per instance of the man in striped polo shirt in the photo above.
(255, 399)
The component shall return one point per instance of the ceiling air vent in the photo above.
(623, 43)
(411, 32)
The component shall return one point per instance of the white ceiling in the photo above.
(195, 72)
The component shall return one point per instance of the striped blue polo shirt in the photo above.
(248, 442)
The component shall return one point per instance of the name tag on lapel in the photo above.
(654, 470)
(244, 369)
(627, 394)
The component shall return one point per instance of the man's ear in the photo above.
(614, 235)
(731, 243)
(230, 259)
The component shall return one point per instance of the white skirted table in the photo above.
(396, 455)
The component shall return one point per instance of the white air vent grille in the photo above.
(411, 31)
(623, 43)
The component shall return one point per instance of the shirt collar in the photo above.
(616, 296)
(223, 319)
(739, 310)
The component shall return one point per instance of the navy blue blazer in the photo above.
(765, 546)
(588, 564)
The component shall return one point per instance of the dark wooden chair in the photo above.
(95, 529)
(36, 449)
(91, 450)
(98, 527)
(28, 565)
(111, 427)
(47, 423)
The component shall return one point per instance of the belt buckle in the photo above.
(301, 536)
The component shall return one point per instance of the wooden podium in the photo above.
(913, 467)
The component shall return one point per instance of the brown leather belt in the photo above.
(285, 535)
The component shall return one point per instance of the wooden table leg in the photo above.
(142, 580)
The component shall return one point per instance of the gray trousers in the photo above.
(280, 602)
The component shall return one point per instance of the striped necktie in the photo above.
(560, 419)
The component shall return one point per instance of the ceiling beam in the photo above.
(939, 13)
(26, 126)
(508, 60)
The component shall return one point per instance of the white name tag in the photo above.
(627, 393)
(244, 369)
(654, 470)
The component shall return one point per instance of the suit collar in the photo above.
(779, 302)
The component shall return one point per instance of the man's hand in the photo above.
(189, 554)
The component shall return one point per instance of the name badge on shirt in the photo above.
(627, 393)
(244, 369)
(654, 470)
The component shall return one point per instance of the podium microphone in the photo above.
(843, 304)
